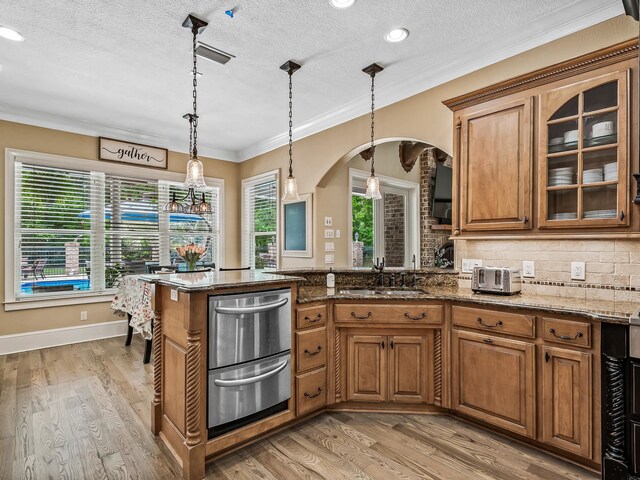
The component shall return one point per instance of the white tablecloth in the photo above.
(134, 297)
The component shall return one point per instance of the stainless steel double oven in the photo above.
(249, 358)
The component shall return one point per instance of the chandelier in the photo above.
(290, 185)
(195, 169)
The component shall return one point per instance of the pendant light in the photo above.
(290, 184)
(195, 169)
(373, 183)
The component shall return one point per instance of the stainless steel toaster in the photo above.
(503, 280)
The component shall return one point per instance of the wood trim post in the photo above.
(457, 164)
(156, 403)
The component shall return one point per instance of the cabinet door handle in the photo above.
(422, 315)
(488, 325)
(314, 320)
(311, 354)
(313, 395)
(552, 331)
(621, 215)
(546, 357)
(391, 344)
(353, 314)
(487, 340)
(382, 343)
(525, 220)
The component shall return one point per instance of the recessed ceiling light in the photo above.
(397, 35)
(342, 3)
(11, 34)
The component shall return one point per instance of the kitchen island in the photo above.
(180, 360)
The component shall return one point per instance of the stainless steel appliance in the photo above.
(503, 280)
(634, 393)
(249, 358)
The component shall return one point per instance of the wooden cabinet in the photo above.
(566, 400)
(583, 153)
(311, 358)
(494, 381)
(407, 372)
(311, 391)
(495, 167)
(367, 368)
(390, 368)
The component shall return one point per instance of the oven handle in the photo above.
(247, 310)
(247, 381)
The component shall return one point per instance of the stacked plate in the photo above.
(611, 172)
(610, 213)
(593, 175)
(561, 176)
(563, 216)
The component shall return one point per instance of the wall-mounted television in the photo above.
(442, 196)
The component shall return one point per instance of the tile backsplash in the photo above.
(612, 266)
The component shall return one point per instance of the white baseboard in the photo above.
(22, 342)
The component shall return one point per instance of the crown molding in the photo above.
(56, 122)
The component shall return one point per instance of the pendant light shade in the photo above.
(373, 183)
(195, 174)
(373, 188)
(290, 183)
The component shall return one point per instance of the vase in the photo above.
(191, 266)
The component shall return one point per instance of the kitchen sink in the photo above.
(382, 293)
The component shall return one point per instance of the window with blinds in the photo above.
(77, 232)
(260, 221)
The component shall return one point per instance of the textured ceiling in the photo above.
(120, 68)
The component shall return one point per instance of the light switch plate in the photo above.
(329, 233)
(469, 263)
(328, 259)
(528, 269)
(329, 246)
(328, 221)
(337, 233)
(578, 271)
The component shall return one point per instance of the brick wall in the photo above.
(430, 240)
(394, 229)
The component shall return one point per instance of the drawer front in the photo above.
(568, 332)
(311, 349)
(372, 313)
(311, 391)
(494, 321)
(311, 316)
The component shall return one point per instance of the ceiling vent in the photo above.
(208, 52)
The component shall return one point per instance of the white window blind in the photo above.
(260, 222)
(78, 231)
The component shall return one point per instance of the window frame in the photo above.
(11, 253)
(245, 242)
(412, 206)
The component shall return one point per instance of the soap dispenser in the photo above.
(331, 279)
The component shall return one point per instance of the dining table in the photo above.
(133, 299)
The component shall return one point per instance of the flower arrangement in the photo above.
(191, 253)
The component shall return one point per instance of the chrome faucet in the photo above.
(414, 281)
(379, 267)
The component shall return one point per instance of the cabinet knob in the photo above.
(488, 340)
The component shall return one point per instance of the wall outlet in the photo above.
(528, 269)
(337, 233)
(83, 315)
(469, 263)
(329, 246)
(328, 259)
(329, 233)
(328, 221)
(174, 295)
(578, 271)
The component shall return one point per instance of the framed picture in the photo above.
(132, 153)
(297, 216)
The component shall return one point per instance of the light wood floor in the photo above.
(82, 412)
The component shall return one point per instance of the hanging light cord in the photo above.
(194, 120)
(290, 124)
(373, 123)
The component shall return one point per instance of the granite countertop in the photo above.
(599, 310)
(199, 281)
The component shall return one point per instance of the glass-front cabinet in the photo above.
(583, 147)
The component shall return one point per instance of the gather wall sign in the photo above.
(134, 153)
